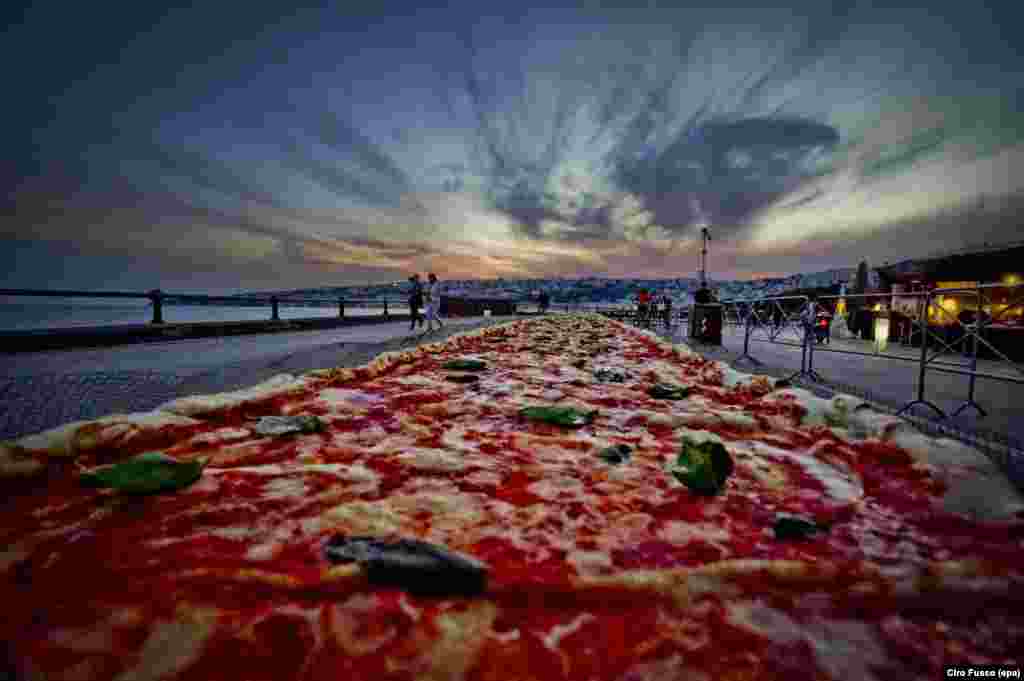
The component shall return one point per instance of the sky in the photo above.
(242, 146)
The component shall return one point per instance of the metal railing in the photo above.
(158, 299)
(926, 321)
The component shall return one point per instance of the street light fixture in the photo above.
(706, 237)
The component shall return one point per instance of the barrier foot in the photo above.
(908, 405)
(795, 374)
(748, 358)
(970, 403)
(812, 375)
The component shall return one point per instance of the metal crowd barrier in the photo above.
(925, 319)
(160, 298)
(630, 314)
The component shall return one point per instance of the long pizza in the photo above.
(557, 498)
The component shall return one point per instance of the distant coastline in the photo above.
(24, 313)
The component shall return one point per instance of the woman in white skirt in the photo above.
(433, 308)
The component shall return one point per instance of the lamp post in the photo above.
(705, 238)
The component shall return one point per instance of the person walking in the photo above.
(545, 301)
(415, 302)
(433, 302)
(825, 325)
(667, 310)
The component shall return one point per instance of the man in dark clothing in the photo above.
(415, 301)
(643, 304)
(825, 327)
(667, 310)
(544, 299)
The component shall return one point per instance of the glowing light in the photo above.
(1012, 279)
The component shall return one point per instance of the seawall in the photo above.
(124, 334)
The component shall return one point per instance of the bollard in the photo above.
(341, 308)
(158, 306)
(274, 316)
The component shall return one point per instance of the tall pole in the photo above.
(704, 258)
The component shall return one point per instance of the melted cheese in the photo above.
(554, 637)
(172, 645)
(461, 637)
(374, 518)
(590, 562)
(843, 648)
(436, 460)
(843, 485)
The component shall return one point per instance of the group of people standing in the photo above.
(429, 298)
(648, 307)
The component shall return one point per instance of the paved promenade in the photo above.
(46, 389)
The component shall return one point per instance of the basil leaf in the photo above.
(286, 425)
(794, 527)
(462, 378)
(560, 416)
(147, 473)
(465, 365)
(703, 467)
(615, 454)
(667, 391)
(410, 564)
(610, 375)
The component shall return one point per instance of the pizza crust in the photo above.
(16, 462)
(976, 487)
(77, 437)
(197, 405)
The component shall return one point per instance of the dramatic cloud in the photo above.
(325, 147)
